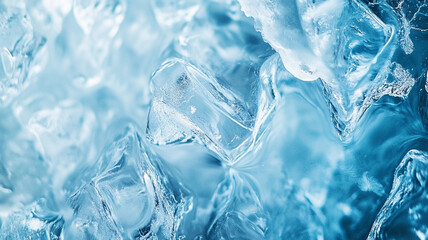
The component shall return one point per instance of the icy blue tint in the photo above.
(128, 196)
(19, 46)
(212, 113)
(343, 43)
(405, 212)
(213, 119)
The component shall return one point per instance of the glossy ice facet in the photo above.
(341, 42)
(405, 212)
(190, 105)
(130, 195)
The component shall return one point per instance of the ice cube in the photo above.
(223, 42)
(20, 49)
(130, 195)
(190, 105)
(405, 213)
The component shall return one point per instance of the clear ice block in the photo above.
(131, 195)
(190, 105)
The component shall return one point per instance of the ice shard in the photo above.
(130, 195)
(405, 213)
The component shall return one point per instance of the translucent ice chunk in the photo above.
(139, 42)
(19, 47)
(190, 105)
(313, 142)
(314, 42)
(405, 213)
(131, 195)
(32, 224)
(223, 42)
(341, 42)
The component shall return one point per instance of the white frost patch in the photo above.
(34, 224)
(192, 109)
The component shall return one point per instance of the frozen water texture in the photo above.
(100, 21)
(130, 196)
(189, 104)
(189, 119)
(170, 13)
(404, 214)
(341, 42)
(204, 95)
(19, 47)
(33, 223)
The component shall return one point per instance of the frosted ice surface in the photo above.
(405, 213)
(131, 195)
(47, 15)
(21, 166)
(99, 17)
(63, 129)
(189, 104)
(19, 48)
(33, 223)
(100, 21)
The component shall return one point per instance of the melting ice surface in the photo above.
(216, 119)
